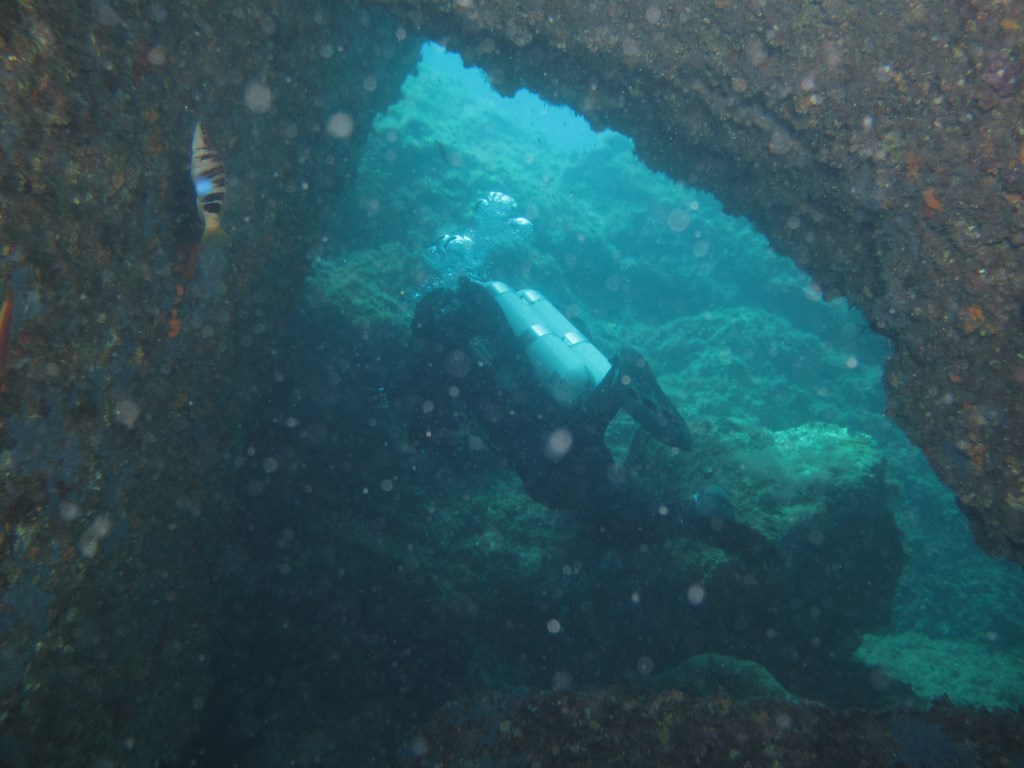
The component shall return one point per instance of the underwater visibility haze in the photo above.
(540, 457)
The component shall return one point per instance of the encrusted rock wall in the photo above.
(879, 146)
(882, 153)
(137, 361)
(621, 730)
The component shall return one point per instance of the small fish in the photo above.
(6, 313)
(450, 157)
(208, 179)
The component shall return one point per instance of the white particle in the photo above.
(678, 220)
(695, 594)
(257, 97)
(126, 412)
(340, 125)
(558, 444)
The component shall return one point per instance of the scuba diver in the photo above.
(510, 362)
(514, 364)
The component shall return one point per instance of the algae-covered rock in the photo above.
(711, 674)
(368, 287)
(487, 534)
(818, 493)
(985, 676)
(778, 481)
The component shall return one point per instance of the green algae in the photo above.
(971, 674)
(778, 480)
(714, 674)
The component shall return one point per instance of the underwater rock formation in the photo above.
(619, 729)
(890, 171)
(875, 147)
(130, 374)
(818, 493)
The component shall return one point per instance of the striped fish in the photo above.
(208, 179)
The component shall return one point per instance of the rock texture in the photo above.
(817, 492)
(881, 152)
(130, 370)
(878, 148)
(669, 729)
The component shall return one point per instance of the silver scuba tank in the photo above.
(567, 365)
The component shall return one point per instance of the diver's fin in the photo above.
(643, 399)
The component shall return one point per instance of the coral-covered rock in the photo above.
(818, 493)
(621, 730)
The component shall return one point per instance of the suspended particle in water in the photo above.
(100, 527)
(126, 412)
(257, 97)
(69, 511)
(678, 220)
(157, 56)
(88, 547)
(554, 626)
(558, 444)
(340, 125)
(695, 594)
(645, 665)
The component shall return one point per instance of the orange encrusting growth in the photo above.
(973, 319)
(6, 315)
(932, 203)
(174, 325)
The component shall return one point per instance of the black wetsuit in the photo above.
(472, 363)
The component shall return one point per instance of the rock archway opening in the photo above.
(743, 341)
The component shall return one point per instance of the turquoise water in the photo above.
(559, 128)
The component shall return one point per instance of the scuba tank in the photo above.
(567, 365)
